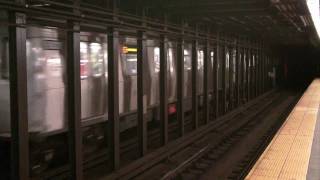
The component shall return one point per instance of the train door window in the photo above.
(156, 57)
(5, 119)
(187, 84)
(200, 84)
(47, 101)
(172, 74)
(234, 65)
(129, 54)
(128, 80)
(210, 73)
(93, 73)
(151, 75)
(187, 70)
(172, 84)
(46, 79)
(128, 92)
(211, 80)
(227, 76)
(200, 75)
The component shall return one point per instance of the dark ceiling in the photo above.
(280, 21)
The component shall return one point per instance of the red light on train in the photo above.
(172, 109)
(83, 70)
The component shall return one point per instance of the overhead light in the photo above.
(313, 6)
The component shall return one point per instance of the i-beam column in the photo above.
(238, 72)
(163, 90)
(216, 78)
(223, 78)
(18, 97)
(194, 70)
(142, 123)
(74, 100)
(248, 73)
(113, 94)
(180, 87)
(205, 84)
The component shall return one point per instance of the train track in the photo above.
(244, 167)
(200, 156)
(220, 132)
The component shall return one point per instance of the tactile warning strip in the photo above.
(287, 156)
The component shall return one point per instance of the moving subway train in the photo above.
(46, 81)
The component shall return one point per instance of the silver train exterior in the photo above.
(46, 61)
(46, 81)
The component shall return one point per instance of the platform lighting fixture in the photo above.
(313, 6)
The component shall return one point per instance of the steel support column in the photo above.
(243, 76)
(248, 72)
(142, 122)
(18, 97)
(74, 100)
(180, 85)
(223, 78)
(238, 73)
(194, 70)
(257, 72)
(163, 90)
(264, 71)
(231, 85)
(113, 94)
(260, 72)
(216, 78)
(206, 78)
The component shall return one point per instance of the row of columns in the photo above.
(19, 105)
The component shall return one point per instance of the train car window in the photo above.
(187, 59)
(200, 76)
(200, 59)
(46, 79)
(227, 60)
(130, 58)
(93, 72)
(156, 58)
(128, 78)
(84, 60)
(253, 60)
(171, 69)
(151, 75)
(187, 70)
(211, 71)
(234, 66)
(212, 59)
(227, 69)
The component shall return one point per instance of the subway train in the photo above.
(46, 85)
